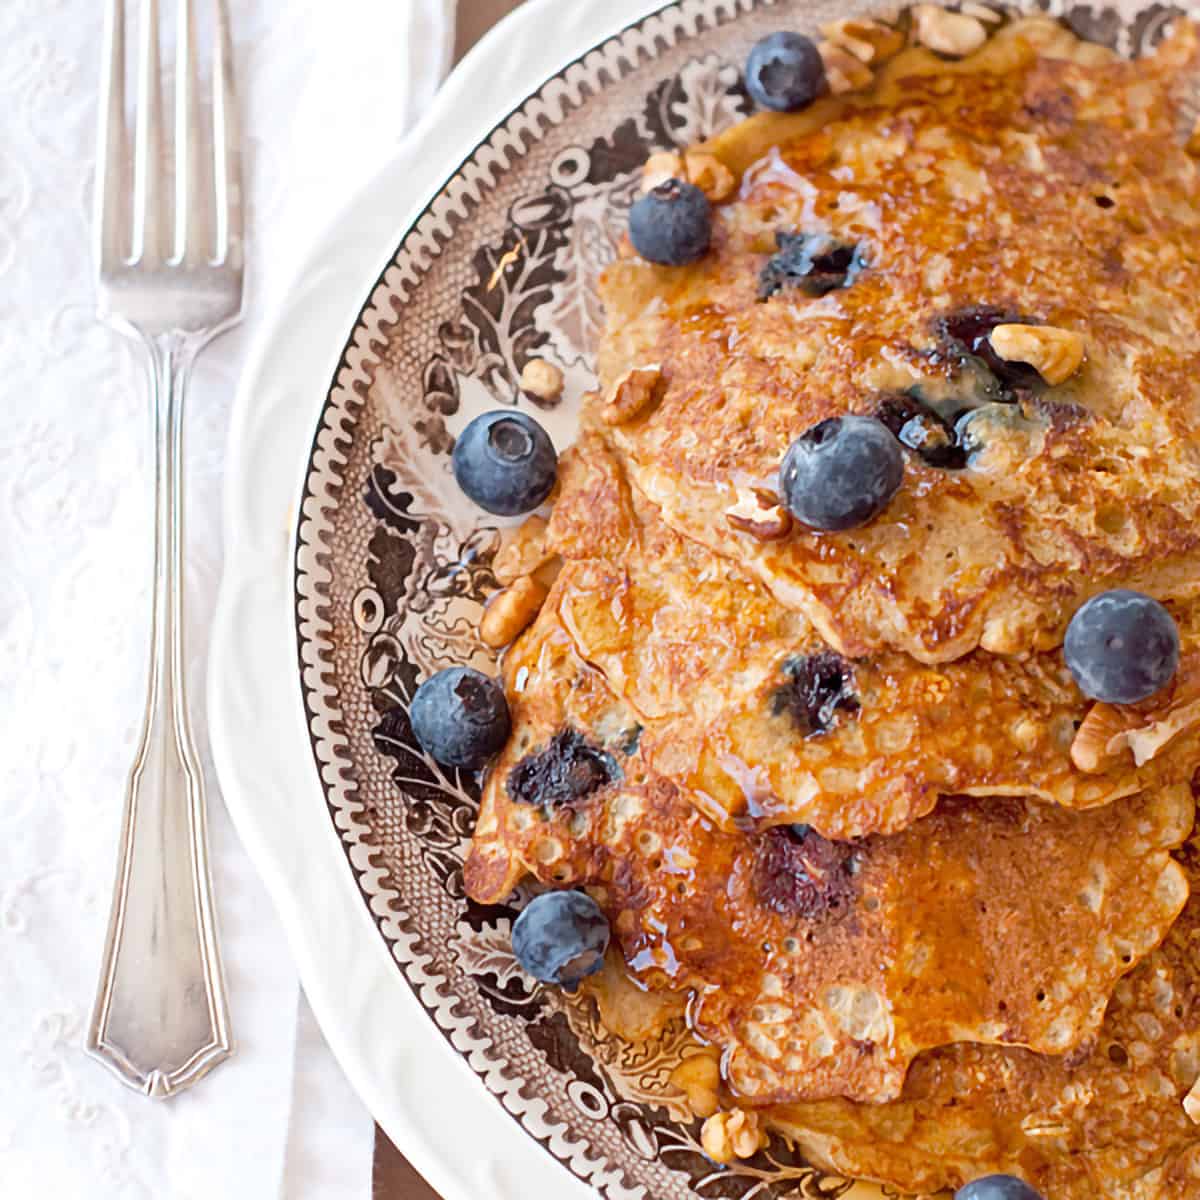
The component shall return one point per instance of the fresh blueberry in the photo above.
(1122, 647)
(460, 717)
(561, 937)
(785, 72)
(671, 224)
(841, 473)
(998, 1187)
(505, 462)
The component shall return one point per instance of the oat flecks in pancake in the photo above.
(1055, 190)
(823, 968)
(1107, 1123)
(716, 670)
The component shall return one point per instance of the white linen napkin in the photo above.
(326, 89)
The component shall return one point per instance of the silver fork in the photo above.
(161, 1018)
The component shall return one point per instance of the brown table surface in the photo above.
(393, 1177)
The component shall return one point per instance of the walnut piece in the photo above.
(710, 175)
(706, 171)
(510, 611)
(1109, 731)
(729, 1135)
(989, 16)
(528, 549)
(844, 71)
(760, 514)
(632, 394)
(1191, 1103)
(869, 41)
(658, 168)
(1054, 353)
(542, 380)
(699, 1078)
(953, 34)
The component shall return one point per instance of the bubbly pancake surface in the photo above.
(1107, 1123)
(744, 705)
(1038, 178)
(822, 968)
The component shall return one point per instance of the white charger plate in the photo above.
(435, 1066)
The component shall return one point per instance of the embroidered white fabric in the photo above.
(326, 90)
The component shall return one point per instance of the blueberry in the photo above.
(968, 331)
(816, 688)
(566, 771)
(1122, 647)
(922, 429)
(671, 224)
(841, 473)
(804, 874)
(977, 428)
(785, 72)
(998, 1187)
(561, 937)
(815, 263)
(505, 462)
(460, 717)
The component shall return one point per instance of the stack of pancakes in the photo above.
(929, 902)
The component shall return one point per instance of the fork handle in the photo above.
(161, 1019)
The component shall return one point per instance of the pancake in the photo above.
(1038, 181)
(745, 705)
(822, 968)
(1107, 1123)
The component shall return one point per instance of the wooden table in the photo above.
(393, 1177)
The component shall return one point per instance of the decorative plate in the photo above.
(393, 565)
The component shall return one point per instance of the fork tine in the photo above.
(112, 157)
(227, 159)
(148, 201)
(193, 240)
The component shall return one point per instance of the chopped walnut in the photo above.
(1098, 742)
(1191, 1103)
(760, 514)
(1109, 731)
(729, 1135)
(699, 1078)
(710, 175)
(843, 70)
(989, 16)
(869, 41)
(510, 611)
(953, 34)
(634, 392)
(542, 380)
(706, 171)
(528, 550)
(658, 168)
(1054, 353)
